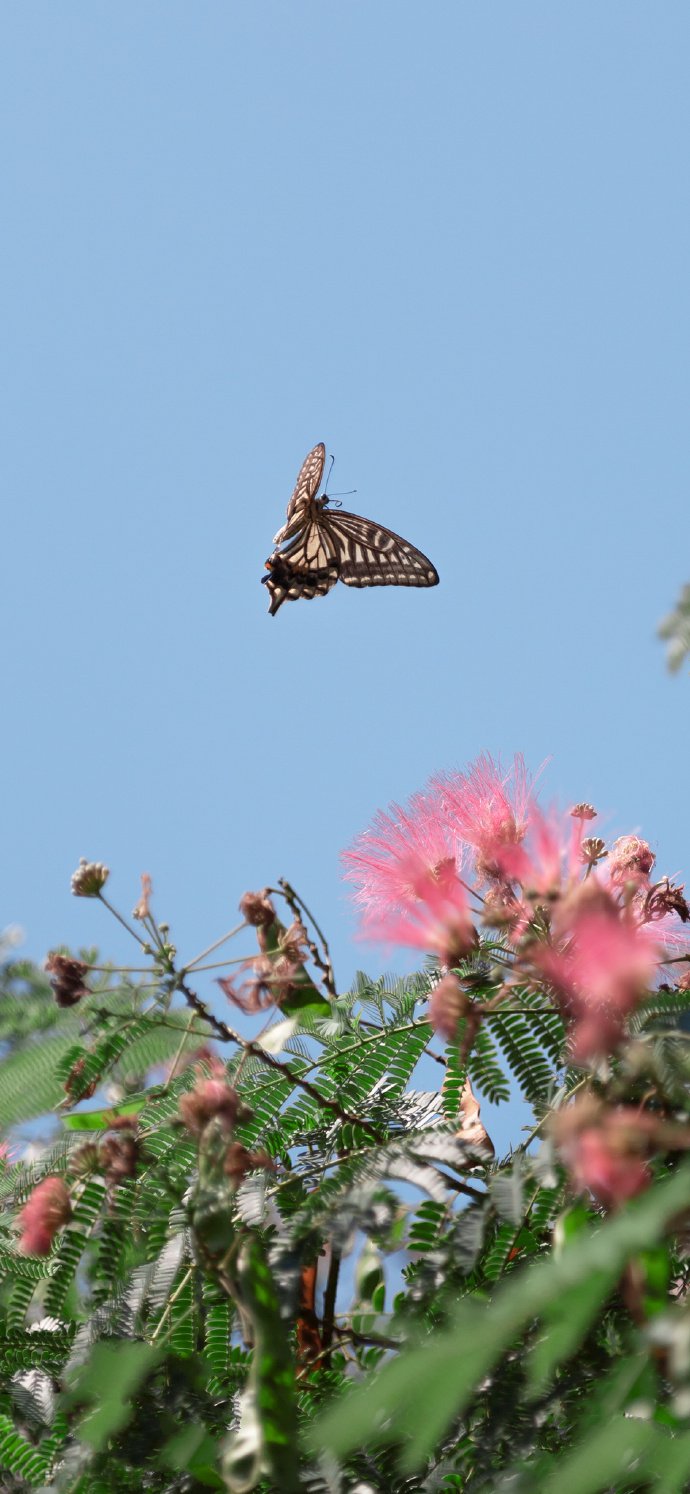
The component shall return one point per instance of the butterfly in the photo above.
(321, 546)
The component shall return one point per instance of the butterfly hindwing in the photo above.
(307, 567)
(371, 555)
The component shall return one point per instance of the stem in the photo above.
(297, 905)
(252, 1049)
(121, 920)
(346, 1336)
(216, 945)
(180, 1051)
(329, 1297)
(173, 1299)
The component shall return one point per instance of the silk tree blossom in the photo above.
(488, 807)
(433, 915)
(272, 972)
(208, 1100)
(406, 872)
(630, 860)
(378, 861)
(600, 971)
(606, 1150)
(548, 860)
(660, 911)
(47, 1210)
(447, 1004)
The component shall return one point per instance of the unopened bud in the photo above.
(583, 812)
(209, 1098)
(593, 849)
(447, 1004)
(89, 878)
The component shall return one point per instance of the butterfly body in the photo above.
(321, 546)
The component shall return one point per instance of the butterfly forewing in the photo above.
(306, 488)
(321, 547)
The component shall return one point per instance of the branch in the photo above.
(252, 1049)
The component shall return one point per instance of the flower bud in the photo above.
(119, 1157)
(209, 1098)
(447, 1004)
(67, 979)
(89, 878)
(593, 849)
(48, 1208)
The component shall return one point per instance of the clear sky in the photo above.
(450, 240)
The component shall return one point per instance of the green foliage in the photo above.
(169, 1340)
(675, 629)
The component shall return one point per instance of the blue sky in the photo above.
(450, 241)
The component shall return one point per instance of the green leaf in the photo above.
(609, 1458)
(192, 1450)
(107, 1384)
(19, 1456)
(431, 1383)
(101, 1120)
(566, 1323)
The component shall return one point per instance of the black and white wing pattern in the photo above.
(306, 488)
(370, 555)
(322, 546)
(307, 567)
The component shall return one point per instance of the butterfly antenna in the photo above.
(325, 486)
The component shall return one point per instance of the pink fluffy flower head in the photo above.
(600, 971)
(210, 1098)
(447, 1004)
(406, 874)
(630, 860)
(548, 859)
(43, 1215)
(606, 1150)
(488, 807)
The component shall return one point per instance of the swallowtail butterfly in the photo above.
(322, 546)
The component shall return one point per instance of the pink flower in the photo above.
(600, 972)
(488, 808)
(43, 1215)
(548, 859)
(630, 860)
(613, 1176)
(660, 912)
(378, 862)
(406, 874)
(447, 1004)
(209, 1098)
(606, 1151)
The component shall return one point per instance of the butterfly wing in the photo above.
(306, 488)
(368, 554)
(308, 567)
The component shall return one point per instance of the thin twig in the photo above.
(180, 1051)
(121, 920)
(329, 1297)
(216, 945)
(253, 1049)
(177, 1293)
(297, 906)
